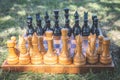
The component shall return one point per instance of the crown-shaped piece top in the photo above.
(94, 16)
(49, 33)
(10, 43)
(66, 10)
(38, 17)
(76, 15)
(34, 39)
(29, 19)
(106, 41)
(64, 31)
(56, 12)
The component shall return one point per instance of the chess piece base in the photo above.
(50, 59)
(64, 60)
(12, 60)
(92, 59)
(24, 59)
(105, 60)
(37, 59)
(79, 61)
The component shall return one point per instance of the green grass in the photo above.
(13, 15)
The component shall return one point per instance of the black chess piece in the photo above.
(85, 27)
(76, 28)
(46, 16)
(56, 29)
(66, 10)
(48, 25)
(39, 29)
(76, 15)
(30, 29)
(96, 26)
(68, 27)
(93, 25)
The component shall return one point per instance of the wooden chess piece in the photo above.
(50, 57)
(24, 57)
(91, 53)
(41, 46)
(85, 27)
(13, 38)
(12, 56)
(39, 29)
(30, 29)
(64, 57)
(56, 29)
(30, 47)
(36, 57)
(105, 57)
(100, 47)
(79, 58)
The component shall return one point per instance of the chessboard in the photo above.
(61, 68)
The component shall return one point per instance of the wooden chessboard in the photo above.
(58, 68)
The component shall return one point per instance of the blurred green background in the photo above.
(13, 15)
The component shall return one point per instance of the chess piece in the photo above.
(30, 29)
(100, 47)
(105, 57)
(68, 27)
(30, 47)
(48, 26)
(24, 57)
(57, 29)
(76, 28)
(41, 46)
(93, 25)
(50, 57)
(85, 27)
(64, 57)
(96, 27)
(67, 21)
(79, 58)
(66, 10)
(91, 53)
(76, 15)
(36, 57)
(12, 56)
(46, 16)
(13, 38)
(39, 29)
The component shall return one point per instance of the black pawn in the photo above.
(30, 29)
(39, 29)
(93, 25)
(68, 27)
(56, 29)
(76, 28)
(46, 16)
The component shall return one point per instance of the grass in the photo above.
(13, 22)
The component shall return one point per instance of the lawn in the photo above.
(13, 15)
